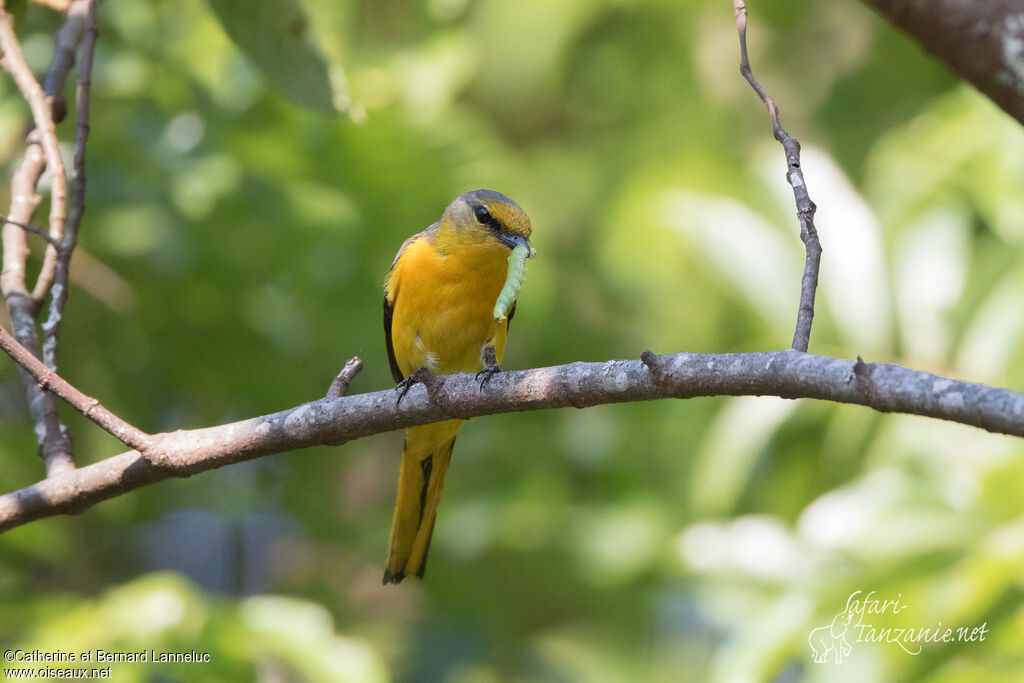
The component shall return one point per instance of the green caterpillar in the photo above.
(513, 281)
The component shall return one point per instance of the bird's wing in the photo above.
(390, 296)
(388, 313)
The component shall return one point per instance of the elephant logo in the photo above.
(831, 639)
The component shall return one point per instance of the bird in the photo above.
(439, 299)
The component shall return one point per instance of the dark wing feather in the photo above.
(389, 311)
(508, 320)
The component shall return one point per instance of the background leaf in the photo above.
(276, 36)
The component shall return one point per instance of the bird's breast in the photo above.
(443, 311)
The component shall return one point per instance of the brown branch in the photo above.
(41, 150)
(333, 421)
(50, 381)
(805, 208)
(54, 446)
(339, 387)
(59, 293)
(13, 62)
(24, 201)
(983, 42)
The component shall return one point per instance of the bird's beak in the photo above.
(513, 241)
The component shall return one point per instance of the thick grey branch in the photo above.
(983, 41)
(333, 421)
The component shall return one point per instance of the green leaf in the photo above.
(275, 35)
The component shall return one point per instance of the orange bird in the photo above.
(439, 300)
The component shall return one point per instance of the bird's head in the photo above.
(489, 217)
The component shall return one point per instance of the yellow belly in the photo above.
(443, 308)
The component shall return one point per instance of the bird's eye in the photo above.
(483, 215)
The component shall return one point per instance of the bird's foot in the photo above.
(419, 377)
(485, 375)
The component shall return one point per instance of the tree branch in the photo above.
(983, 42)
(333, 421)
(41, 151)
(339, 387)
(42, 114)
(59, 294)
(80, 17)
(50, 381)
(805, 208)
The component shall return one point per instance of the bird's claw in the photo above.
(485, 375)
(403, 387)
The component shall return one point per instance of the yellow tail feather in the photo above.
(425, 458)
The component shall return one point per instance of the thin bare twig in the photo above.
(805, 208)
(65, 44)
(35, 230)
(59, 291)
(50, 381)
(333, 421)
(339, 387)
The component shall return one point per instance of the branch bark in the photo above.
(333, 421)
(982, 41)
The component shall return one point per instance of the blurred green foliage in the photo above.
(233, 252)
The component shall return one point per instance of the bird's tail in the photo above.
(425, 458)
